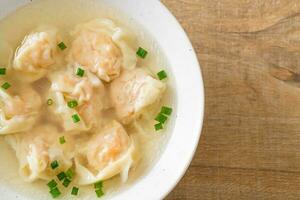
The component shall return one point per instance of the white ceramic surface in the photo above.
(179, 52)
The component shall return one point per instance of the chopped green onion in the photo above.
(62, 46)
(75, 191)
(55, 192)
(61, 176)
(66, 182)
(6, 85)
(166, 110)
(70, 173)
(162, 75)
(80, 72)
(54, 164)
(2, 71)
(49, 102)
(75, 118)
(72, 104)
(62, 140)
(99, 193)
(98, 189)
(52, 184)
(161, 118)
(141, 52)
(98, 185)
(158, 126)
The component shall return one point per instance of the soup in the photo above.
(86, 100)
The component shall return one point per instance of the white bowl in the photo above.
(179, 52)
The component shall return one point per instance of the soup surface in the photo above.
(84, 91)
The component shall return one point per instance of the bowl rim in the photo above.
(202, 91)
(203, 103)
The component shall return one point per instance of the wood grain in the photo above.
(249, 51)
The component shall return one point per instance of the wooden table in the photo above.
(249, 52)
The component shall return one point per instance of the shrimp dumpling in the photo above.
(38, 148)
(67, 82)
(18, 112)
(106, 154)
(87, 91)
(36, 54)
(99, 45)
(99, 53)
(134, 91)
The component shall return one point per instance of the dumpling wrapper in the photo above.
(18, 113)
(37, 149)
(134, 91)
(107, 154)
(36, 54)
(103, 48)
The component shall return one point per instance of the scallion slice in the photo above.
(98, 185)
(76, 118)
(55, 192)
(80, 72)
(166, 110)
(6, 85)
(141, 52)
(49, 102)
(99, 193)
(98, 189)
(161, 118)
(54, 164)
(61, 176)
(75, 191)
(70, 173)
(52, 184)
(2, 71)
(72, 104)
(158, 126)
(62, 140)
(66, 182)
(162, 75)
(62, 46)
